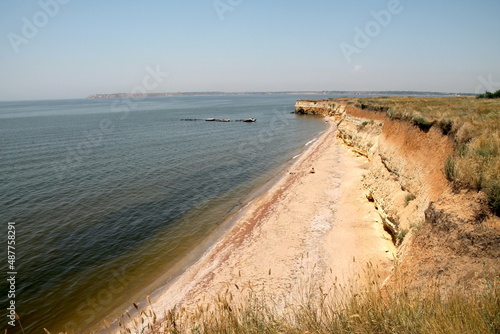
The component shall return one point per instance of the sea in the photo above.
(105, 201)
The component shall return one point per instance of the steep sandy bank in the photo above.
(446, 237)
(308, 227)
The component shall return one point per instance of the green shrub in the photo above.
(409, 198)
(402, 234)
(362, 125)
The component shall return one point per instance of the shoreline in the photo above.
(301, 222)
(164, 281)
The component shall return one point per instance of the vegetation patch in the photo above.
(401, 236)
(364, 124)
(409, 198)
(489, 95)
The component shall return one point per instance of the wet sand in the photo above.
(308, 226)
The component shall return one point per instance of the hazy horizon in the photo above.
(249, 93)
(59, 49)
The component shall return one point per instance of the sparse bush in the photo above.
(409, 198)
(401, 235)
(394, 114)
(362, 125)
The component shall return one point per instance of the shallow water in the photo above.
(108, 195)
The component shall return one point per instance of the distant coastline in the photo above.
(216, 93)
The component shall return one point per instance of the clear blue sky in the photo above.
(87, 47)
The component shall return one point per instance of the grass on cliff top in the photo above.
(474, 126)
(368, 310)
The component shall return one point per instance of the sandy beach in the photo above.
(316, 226)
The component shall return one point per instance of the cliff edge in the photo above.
(447, 231)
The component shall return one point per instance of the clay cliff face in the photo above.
(443, 236)
(318, 107)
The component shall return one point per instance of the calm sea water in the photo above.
(108, 195)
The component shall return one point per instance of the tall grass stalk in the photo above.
(366, 309)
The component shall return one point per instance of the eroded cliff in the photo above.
(445, 236)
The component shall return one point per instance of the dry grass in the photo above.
(474, 126)
(365, 309)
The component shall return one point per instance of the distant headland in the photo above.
(216, 93)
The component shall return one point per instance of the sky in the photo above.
(57, 49)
